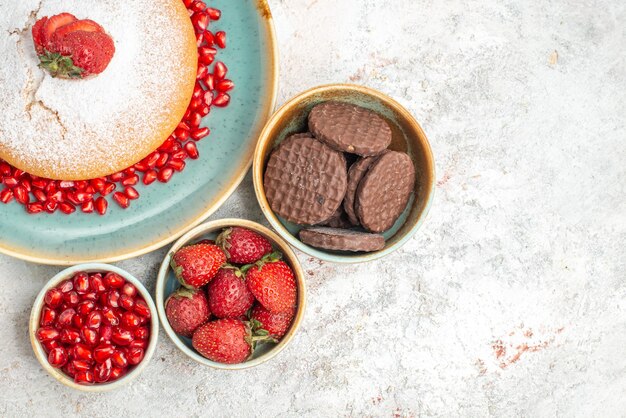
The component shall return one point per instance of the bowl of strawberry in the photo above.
(93, 327)
(231, 294)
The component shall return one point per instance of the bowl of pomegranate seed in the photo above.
(344, 173)
(231, 294)
(94, 327)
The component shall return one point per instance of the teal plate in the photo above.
(166, 211)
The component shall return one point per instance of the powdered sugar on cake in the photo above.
(58, 123)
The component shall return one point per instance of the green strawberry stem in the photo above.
(59, 65)
(269, 258)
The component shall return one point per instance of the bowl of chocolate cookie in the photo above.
(344, 173)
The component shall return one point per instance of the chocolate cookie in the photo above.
(350, 128)
(384, 191)
(305, 180)
(338, 220)
(342, 239)
(355, 174)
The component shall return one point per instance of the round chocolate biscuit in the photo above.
(355, 174)
(385, 191)
(305, 180)
(349, 128)
(342, 239)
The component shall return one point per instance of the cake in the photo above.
(88, 128)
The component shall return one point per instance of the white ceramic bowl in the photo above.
(167, 283)
(43, 357)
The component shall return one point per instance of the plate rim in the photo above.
(221, 198)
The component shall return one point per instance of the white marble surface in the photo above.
(511, 299)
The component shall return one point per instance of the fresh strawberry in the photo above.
(272, 283)
(243, 246)
(79, 54)
(51, 25)
(206, 241)
(186, 310)
(276, 324)
(228, 341)
(84, 25)
(229, 296)
(196, 265)
(38, 36)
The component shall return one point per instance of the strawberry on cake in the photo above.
(91, 87)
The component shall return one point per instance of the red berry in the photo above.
(224, 341)
(276, 324)
(196, 265)
(243, 246)
(228, 294)
(273, 284)
(186, 310)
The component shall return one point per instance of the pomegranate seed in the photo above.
(53, 298)
(85, 377)
(113, 299)
(127, 302)
(188, 3)
(163, 158)
(121, 336)
(102, 371)
(105, 333)
(71, 298)
(121, 200)
(81, 184)
(66, 184)
(26, 184)
(116, 373)
(101, 205)
(69, 370)
(51, 206)
(114, 280)
(81, 282)
(57, 357)
(108, 189)
(65, 318)
(103, 352)
(152, 159)
(69, 336)
(87, 207)
(135, 355)
(47, 334)
(225, 85)
(94, 319)
(67, 208)
(131, 193)
(82, 352)
(181, 134)
(130, 320)
(199, 38)
(208, 98)
(66, 286)
(5, 169)
(192, 150)
(221, 100)
(129, 289)
(11, 182)
(83, 197)
(110, 317)
(198, 134)
(78, 321)
(220, 70)
(198, 6)
(50, 345)
(131, 180)
(85, 307)
(40, 195)
(97, 283)
(38, 183)
(165, 174)
(21, 195)
(220, 39)
(149, 177)
(6, 195)
(80, 365)
(214, 14)
(47, 317)
(90, 336)
(142, 333)
(177, 164)
(117, 176)
(141, 167)
(119, 359)
(200, 21)
(34, 208)
(141, 308)
(202, 72)
(195, 119)
(209, 81)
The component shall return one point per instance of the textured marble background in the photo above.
(511, 299)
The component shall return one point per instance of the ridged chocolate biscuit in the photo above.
(384, 191)
(305, 180)
(338, 220)
(350, 128)
(355, 174)
(342, 239)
